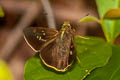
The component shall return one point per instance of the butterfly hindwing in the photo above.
(36, 37)
(51, 59)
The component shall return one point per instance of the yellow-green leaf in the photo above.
(89, 18)
(1, 12)
(5, 73)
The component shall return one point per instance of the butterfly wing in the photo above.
(73, 53)
(37, 37)
(50, 58)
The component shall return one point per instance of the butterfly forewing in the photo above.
(37, 37)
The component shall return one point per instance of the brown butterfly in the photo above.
(57, 49)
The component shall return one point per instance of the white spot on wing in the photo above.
(44, 34)
(40, 38)
(37, 37)
(70, 52)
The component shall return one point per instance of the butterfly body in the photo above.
(57, 51)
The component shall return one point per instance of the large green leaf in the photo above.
(5, 73)
(111, 71)
(92, 52)
(105, 5)
(111, 27)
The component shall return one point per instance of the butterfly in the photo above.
(56, 48)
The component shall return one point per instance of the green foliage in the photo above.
(105, 5)
(4, 71)
(111, 71)
(91, 55)
(1, 12)
(108, 9)
(110, 21)
(110, 27)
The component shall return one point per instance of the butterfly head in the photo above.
(66, 26)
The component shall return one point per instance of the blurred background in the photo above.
(19, 14)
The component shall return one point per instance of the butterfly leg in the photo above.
(78, 59)
(82, 37)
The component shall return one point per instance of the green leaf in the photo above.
(111, 71)
(105, 5)
(89, 18)
(110, 27)
(1, 12)
(112, 14)
(92, 52)
(5, 73)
